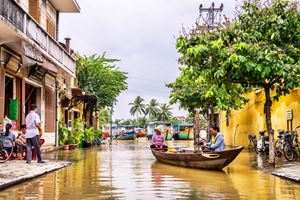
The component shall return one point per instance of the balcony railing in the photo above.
(12, 12)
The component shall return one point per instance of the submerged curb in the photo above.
(289, 171)
(17, 171)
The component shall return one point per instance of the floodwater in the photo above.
(130, 171)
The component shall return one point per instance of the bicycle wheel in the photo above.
(278, 151)
(6, 153)
(288, 152)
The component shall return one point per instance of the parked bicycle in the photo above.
(263, 143)
(5, 153)
(279, 143)
(291, 146)
(252, 143)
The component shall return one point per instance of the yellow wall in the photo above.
(251, 119)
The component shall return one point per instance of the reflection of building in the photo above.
(34, 67)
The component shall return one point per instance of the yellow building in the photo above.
(251, 118)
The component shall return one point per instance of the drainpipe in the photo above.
(56, 116)
(57, 25)
(234, 145)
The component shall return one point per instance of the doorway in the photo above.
(9, 93)
(32, 96)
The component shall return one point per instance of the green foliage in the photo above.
(164, 113)
(77, 131)
(89, 134)
(103, 116)
(100, 76)
(152, 108)
(64, 135)
(260, 49)
(137, 106)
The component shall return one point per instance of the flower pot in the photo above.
(66, 147)
(72, 146)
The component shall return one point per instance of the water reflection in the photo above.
(129, 171)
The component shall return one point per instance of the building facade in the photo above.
(238, 124)
(34, 66)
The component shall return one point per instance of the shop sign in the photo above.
(32, 53)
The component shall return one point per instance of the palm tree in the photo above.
(137, 106)
(152, 108)
(165, 113)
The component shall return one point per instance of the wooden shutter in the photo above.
(51, 27)
(35, 10)
(50, 109)
(2, 85)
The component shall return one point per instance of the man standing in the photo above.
(33, 125)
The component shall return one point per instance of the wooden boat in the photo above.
(215, 160)
(183, 131)
(123, 132)
(140, 132)
(125, 137)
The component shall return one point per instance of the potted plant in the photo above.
(88, 137)
(64, 136)
(76, 133)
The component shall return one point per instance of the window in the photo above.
(35, 10)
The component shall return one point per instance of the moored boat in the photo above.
(166, 127)
(140, 132)
(123, 132)
(183, 131)
(214, 160)
(125, 137)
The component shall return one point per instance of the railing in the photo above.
(12, 12)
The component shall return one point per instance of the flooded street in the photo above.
(130, 171)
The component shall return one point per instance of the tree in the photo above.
(264, 52)
(137, 106)
(199, 88)
(165, 113)
(152, 108)
(103, 116)
(101, 77)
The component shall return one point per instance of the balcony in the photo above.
(23, 22)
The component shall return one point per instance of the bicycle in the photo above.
(5, 153)
(279, 143)
(291, 147)
(252, 143)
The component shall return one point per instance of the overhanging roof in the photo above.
(67, 6)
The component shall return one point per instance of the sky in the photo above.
(142, 34)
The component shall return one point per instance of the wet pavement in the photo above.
(289, 171)
(129, 171)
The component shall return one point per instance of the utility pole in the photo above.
(110, 124)
(209, 18)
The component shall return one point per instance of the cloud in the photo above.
(142, 33)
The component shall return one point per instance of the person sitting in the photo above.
(158, 140)
(217, 140)
(21, 141)
(8, 134)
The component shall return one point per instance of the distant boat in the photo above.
(183, 131)
(166, 126)
(215, 160)
(140, 132)
(123, 132)
(125, 137)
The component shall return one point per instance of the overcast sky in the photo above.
(142, 33)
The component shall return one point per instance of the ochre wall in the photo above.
(251, 119)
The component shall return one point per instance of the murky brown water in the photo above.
(129, 171)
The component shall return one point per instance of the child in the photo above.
(21, 141)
